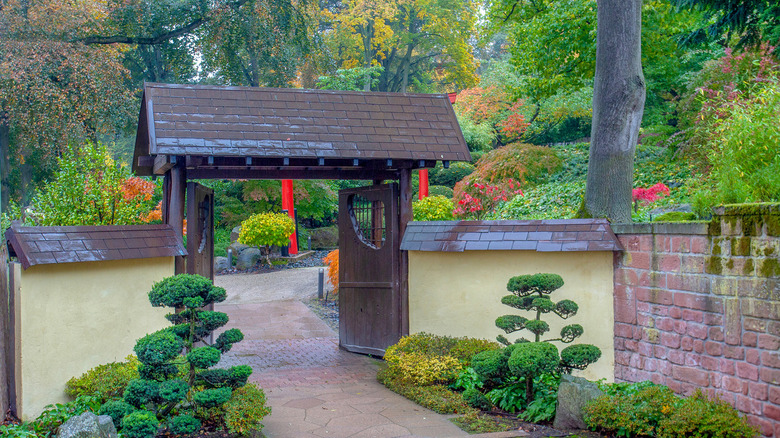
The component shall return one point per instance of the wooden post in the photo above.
(5, 334)
(404, 216)
(176, 206)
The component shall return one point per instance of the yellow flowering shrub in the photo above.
(246, 409)
(419, 367)
(433, 208)
(266, 229)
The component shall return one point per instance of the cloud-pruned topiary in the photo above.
(528, 359)
(175, 374)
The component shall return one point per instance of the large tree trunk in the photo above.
(618, 103)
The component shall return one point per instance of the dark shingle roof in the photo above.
(532, 235)
(48, 245)
(296, 123)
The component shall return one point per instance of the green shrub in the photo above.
(266, 229)
(478, 136)
(476, 399)
(54, 415)
(246, 409)
(440, 191)
(491, 366)
(439, 176)
(104, 381)
(465, 348)
(700, 417)
(433, 208)
(183, 425)
(140, 424)
(117, 410)
(211, 398)
(636, 414)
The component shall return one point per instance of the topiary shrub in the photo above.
(265, 230)
(105, 381)
(117, 410)
(174, 382)
(527, 359)
(140, 424)
(433, 208)
(476, 399)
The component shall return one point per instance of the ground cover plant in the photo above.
(647, 410)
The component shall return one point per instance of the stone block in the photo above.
(573, 394)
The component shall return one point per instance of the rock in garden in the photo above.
(326, 237)
(248, 258)
(573, 394)
(88, 425)
(221, 264)
(234, 233)
(238, 248)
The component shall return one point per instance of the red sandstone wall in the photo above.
(698, 306)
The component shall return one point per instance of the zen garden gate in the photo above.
(206, 132)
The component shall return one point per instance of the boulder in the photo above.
(221, 264)
(238, 248)
(573, 394)
(234, 233)
(248, 258)
(88, 425)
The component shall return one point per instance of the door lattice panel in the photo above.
(368, 220)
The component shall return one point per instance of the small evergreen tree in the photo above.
(529, 359)
(175, 374)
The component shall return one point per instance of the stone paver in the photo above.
(314, 388)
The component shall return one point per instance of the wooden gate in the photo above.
(370, 305)
(200, 230)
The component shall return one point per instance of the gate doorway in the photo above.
(370, 313)
(193, 132)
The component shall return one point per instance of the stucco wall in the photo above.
(459, 294)
(72, 317)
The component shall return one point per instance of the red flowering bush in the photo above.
(484, 198)
(648, 195)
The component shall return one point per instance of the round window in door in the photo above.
(368, 220)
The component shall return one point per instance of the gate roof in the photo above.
(241, 132)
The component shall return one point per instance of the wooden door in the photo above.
(370, 308)
(200, 230)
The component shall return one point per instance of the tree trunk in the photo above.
(618, 103)
(368, 36)
(5, 167)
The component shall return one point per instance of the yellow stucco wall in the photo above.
(459, 294)
(72, 317)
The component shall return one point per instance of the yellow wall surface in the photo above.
(459, 294)
(72, 317)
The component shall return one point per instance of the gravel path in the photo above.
(284, 284)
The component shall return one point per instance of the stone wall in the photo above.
(697, 305)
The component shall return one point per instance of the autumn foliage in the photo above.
(644, 196)
(332, 262)
(495, 106)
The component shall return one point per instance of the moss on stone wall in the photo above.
(769, 268)
(714, 265)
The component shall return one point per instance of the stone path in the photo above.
(314, 388)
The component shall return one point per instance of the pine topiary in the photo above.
(174, 373)
(527, 359)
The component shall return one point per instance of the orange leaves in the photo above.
(332, 261)
(135, 187)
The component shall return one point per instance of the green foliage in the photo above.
(141, 392)
(449, 177)
(203, 357)
(117, 410)
(579, 356)
(531, 359)
(476, 399)
(246, 409)
(172, 291)
(140, 424)
(16, 431)
(510, 397)
(440, 191)
(183, 425)
(542, 407)
(52, 417)
(91, 189)
(467, 379)
(636, 414)
(432, 208)
(478, 136)
(743, 148)
(211, 398)
(491, 367)
(266, 229)
(675, 216)
(351, 78)
(698, 416)
(226, 339)
(106, 381)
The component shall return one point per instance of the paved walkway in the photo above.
(314, 388)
